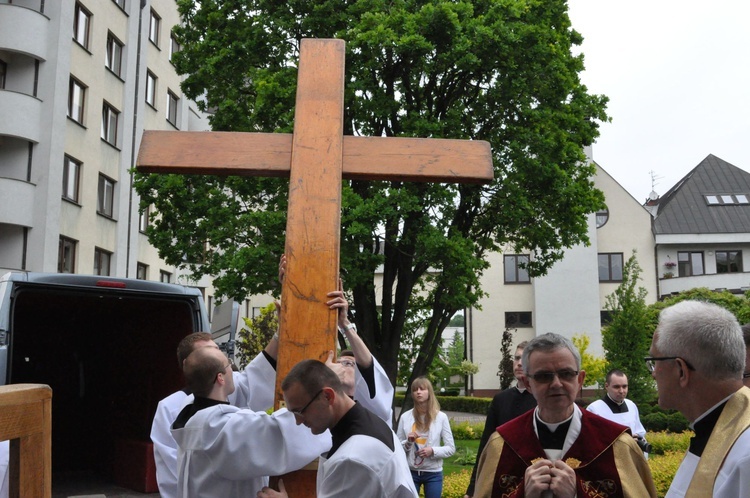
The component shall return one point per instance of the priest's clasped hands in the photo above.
(547, 479)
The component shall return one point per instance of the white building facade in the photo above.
(571, 298)
(79, 82)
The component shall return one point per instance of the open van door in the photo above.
(224, 326)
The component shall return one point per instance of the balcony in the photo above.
(715, 281)
(26, 112)
(17, 202)
(23, 30)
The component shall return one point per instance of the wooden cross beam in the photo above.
(316, 157)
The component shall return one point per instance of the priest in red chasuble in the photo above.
(558, 450)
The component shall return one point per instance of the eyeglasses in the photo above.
(746, 375)
(301, 411)
(348, 363)
(224, 370)
(651, 361)
(565, 375)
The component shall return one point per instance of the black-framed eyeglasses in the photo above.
(651, 361)
(301, 411)
(565, 375)
(746, 375)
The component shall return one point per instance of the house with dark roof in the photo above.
(701, 229)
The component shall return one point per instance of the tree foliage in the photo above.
(594, 366)
(495, 70)
(505, 368)
(258, 331)
(627, 338)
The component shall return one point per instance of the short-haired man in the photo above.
(746, 337)
(228, 451)
(557, 449)
(365, 459)
(615, 406)
(260, 374)
(697, 359)
(506, 405)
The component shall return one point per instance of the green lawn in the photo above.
(450, 466)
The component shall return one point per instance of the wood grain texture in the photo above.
(307, 327)
(270, 154)
(26, 419)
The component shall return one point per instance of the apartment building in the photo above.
(79, 82)
(571, 298)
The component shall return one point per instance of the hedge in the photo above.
(465, 404)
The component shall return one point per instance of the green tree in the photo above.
(505, 368)
(627, 338)
(501, 71)
(258, 331)
(457, 321)
(594, 366)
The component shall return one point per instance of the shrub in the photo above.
(454, 485)
(656, 421)
(667, 442)
(466, 404)
(465, 430)
(663, 468)
(465, 456)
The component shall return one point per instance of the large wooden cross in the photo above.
(315, 158)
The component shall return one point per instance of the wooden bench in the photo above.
(26, 420)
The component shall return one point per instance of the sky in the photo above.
(677, 74)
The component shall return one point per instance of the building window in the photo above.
(81, 26)
(174, 45)
(728, 261)
(3, 72)
(102, 261)
(71, 178)
(516, 269)
(602, 217)
(517, 319)
(165, 277)
(605, 317)
(143, 219)
(76, 100)
(66, 255)
(689, 264)
(105, 205)
(725, 199)
(110, 117)
(172, 102)
(151, 89)
(141, 272)
(113, 60)
(153, 28)
(610, 267)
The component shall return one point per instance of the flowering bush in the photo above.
(454, 485)
(663, 468)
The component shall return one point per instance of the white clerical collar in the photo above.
(551, 427)
(615, 401)
(520, 388)
(692, 424)
(573, 431)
